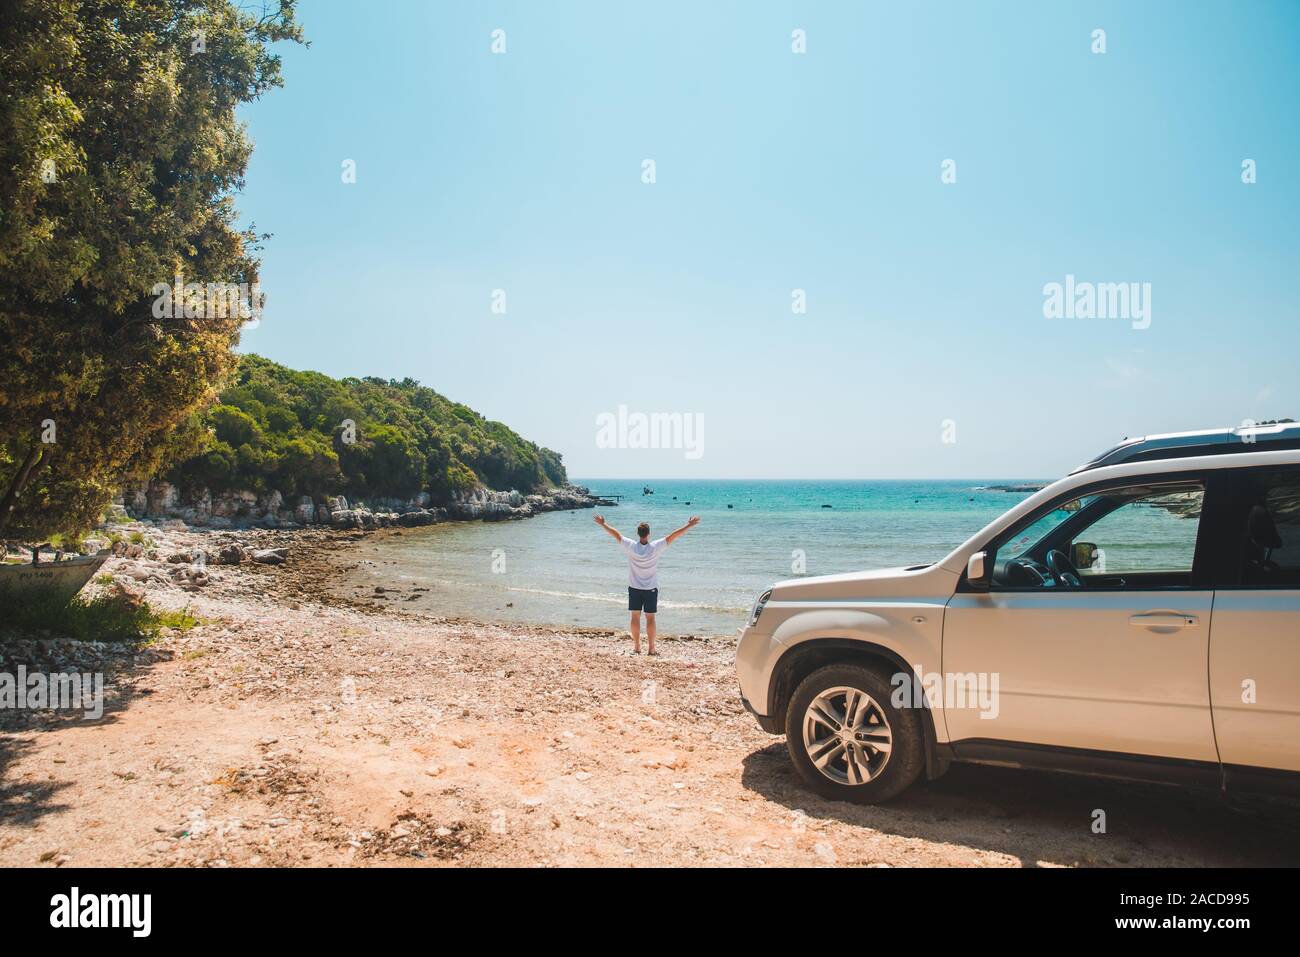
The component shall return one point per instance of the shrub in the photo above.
(106, 617)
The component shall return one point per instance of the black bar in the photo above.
(305, 906)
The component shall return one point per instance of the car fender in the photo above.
(908, 634)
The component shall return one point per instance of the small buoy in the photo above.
(729, 506)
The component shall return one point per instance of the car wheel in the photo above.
(847, 739)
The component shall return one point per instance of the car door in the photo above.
(1255, 640)
(1116, 664)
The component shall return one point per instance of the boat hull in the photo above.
(63, 579)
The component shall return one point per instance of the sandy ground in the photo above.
(295, 729)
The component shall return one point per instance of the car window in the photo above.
(1271, 555)
(1109, 539)
(1153, 532)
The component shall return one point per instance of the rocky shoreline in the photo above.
(245, 509)
(169, 541)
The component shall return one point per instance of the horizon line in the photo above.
(791, 479)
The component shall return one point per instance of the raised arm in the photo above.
(600, 520)
(690, 523)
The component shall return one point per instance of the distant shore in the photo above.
(161, 501)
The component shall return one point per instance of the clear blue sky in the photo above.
(779, 171)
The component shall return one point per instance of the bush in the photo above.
(107, 617)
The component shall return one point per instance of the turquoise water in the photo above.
(561, 568)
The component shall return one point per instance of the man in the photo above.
(643, 575)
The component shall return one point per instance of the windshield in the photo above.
(1030, 536)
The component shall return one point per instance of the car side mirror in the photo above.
(1083, 554)
(976, 568)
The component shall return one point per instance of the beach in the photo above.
(298, 726)
(559, 568)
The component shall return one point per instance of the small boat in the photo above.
(63, 579)
(647, 490)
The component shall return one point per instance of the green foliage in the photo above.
(180, 620)
(119, 154)
(234, 426)
(68, 542)
(279, 429)
(385, 461)
(104, 617)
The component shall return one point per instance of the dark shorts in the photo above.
(643, 599)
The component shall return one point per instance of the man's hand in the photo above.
(690, 523)
(600, 520)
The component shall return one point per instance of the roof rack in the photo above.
(1181, 445)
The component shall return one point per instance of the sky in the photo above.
(486, 179)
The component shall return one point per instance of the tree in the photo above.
(403, 438)
(234, 426)
(119, 154)
(307, 464)
(387, 462)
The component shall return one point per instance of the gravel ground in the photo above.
(296, 728)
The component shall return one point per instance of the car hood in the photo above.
(902, 582)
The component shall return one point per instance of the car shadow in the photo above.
(1040, 818)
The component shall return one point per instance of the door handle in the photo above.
(1163, 619)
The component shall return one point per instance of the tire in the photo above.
(858, 767)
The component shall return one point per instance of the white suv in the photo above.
(1139, 618)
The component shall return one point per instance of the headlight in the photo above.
(758, 607)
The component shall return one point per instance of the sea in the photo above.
(560, 568)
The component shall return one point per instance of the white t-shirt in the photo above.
(643, 561)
